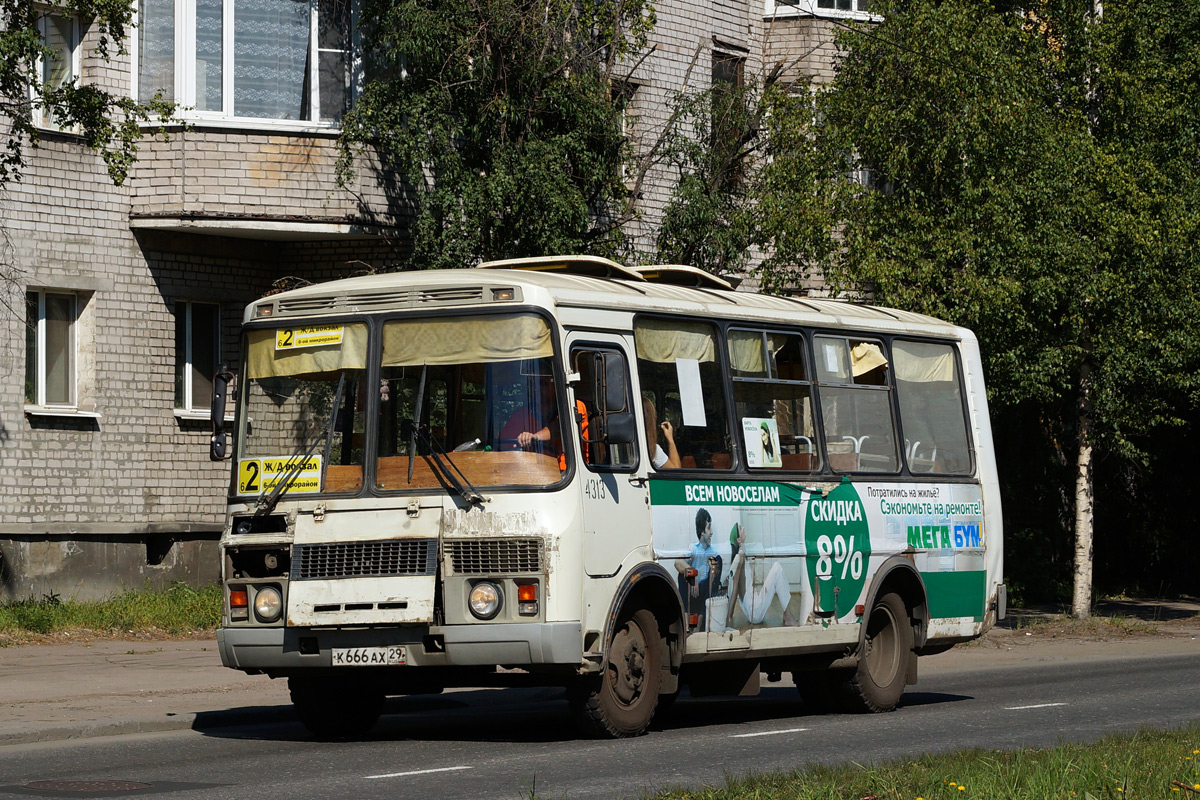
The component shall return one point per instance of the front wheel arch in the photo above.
(650, 586)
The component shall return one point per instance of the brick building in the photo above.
(126, 298)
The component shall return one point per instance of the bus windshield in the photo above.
(482, 390)
(474, 396)
(293, 377)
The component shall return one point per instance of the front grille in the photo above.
(364, 559)
(491, 556)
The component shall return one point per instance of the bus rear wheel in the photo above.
(332, 710)
(622, 704)
(878, 682)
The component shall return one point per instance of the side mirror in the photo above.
(614, 383)
(620, 428)
(218, 448)
(617, 423)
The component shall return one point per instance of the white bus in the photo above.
(622, 481)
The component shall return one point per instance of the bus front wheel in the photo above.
(622, 703)
(878, 682)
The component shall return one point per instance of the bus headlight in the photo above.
(268, 604)
(485, 600)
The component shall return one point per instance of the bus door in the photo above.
(611, 469)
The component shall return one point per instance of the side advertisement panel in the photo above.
(757, 554)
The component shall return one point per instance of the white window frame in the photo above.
(42, 118)
(779, 9)
(39, 398)
(185, 70)
(186, 409)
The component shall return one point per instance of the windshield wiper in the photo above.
(460, 484)
(299, 460)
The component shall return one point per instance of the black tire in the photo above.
(622, 703)
(878, 682)
(332, 710)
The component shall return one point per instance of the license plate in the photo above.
(390, 656)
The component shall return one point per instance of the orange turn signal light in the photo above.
(238, 598)
(527, 593)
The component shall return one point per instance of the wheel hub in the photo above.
(628, 659)
(881, 654)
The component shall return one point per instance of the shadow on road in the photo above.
(532, 716)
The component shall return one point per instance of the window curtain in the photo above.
(271, 58)
(464, 340)
(265, 360)
(156, 49)
(209, 54)
(666, 341)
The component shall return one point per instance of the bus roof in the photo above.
(582, 283)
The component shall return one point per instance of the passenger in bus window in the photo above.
(658, 458)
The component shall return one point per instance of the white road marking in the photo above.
(766, 733)
(1040, 705)
(416, 772)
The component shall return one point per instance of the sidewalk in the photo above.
(80, 690)
(69, 691)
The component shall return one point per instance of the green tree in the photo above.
(109, 123)
(713, 145)
(502, 120)
(1028, 172)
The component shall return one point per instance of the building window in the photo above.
(852, 9)
(50, 348)
(863, 6)
(61, 66)
(728, 71)
(197, 352)
(728, 102)
(248, 59)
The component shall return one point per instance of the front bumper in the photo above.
(516, 644)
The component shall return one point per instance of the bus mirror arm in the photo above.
(218, 448)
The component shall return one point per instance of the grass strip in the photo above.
(174, 610)
(1141, 766)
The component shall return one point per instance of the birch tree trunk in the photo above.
(1081, 600)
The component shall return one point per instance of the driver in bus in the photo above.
(535, 425)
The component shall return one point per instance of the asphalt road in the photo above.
(516, 744)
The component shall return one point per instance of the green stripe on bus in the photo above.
(724, 493)
(956, 594)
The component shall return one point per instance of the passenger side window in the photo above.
(931, 408)
(679, 368)
(856, 409)
(772, 399)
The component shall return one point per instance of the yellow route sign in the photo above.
(257, 475)
(313, 336)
